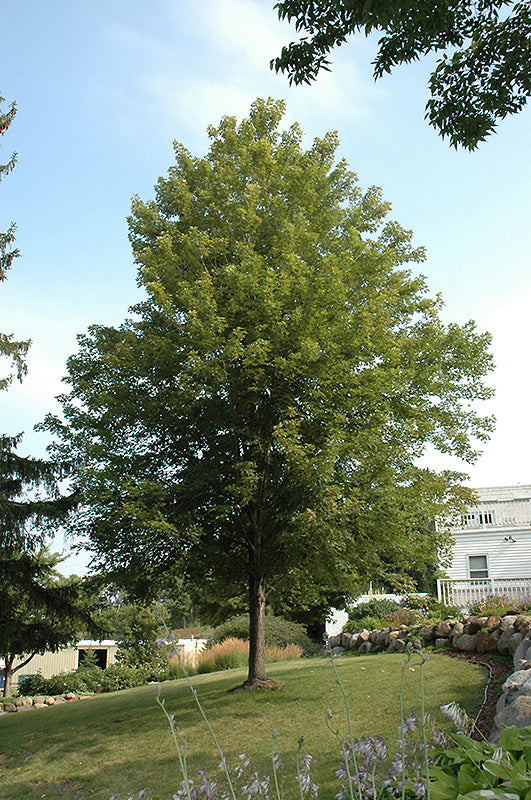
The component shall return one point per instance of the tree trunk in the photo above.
(257, 600)
(8, 675)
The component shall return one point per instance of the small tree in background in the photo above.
(257, 423)
(39, 609)
(14, 351)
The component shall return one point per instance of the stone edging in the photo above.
(509, 635)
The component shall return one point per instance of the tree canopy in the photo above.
(258, 419)
(14, 351)
(39, 609)
(484, 76)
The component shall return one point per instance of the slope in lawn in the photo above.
(120, 742)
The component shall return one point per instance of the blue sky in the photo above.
(104, 87)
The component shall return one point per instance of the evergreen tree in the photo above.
(39, 609)
(13, 350)
(259, 420)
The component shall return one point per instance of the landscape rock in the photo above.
(39, 705)
(473, 625)
(354, 641)
(493, 622)
(466, 642)
(507, 622)
(382, 637)
(374, 635)
(487, 641)
(426, 633)
(396, 646)
(391, 636)
(443, 643)
(442, 630)
(365, 647)
(38, 699)
(27, 701)
(49, 701)
(514, 641)
(364, 636)
(11, 707)
(457, 630)
(59, 701)
(517, 713)
(345, 639)
(71, 696)
(505, 636)
(516, 680)
(522, 624)
(334, 641)
(520, 654)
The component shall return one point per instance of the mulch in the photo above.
(500, 670)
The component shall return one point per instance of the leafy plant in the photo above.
(484, 770)
(498, 605)
(278, 632)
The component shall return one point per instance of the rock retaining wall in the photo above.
(509, 636)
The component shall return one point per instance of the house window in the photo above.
(469, 520)
(478, 567)
(486, 518)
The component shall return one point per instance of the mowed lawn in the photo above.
(120, 742)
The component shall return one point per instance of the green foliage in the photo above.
(91, 680)
(411, 610)
(278, 632)
(482, 78)
(258, 419)
(39, 609)
(371, 614)
(483, 770)
(499, 605)
(136, 632)
(14, 351)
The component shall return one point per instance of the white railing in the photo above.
(466, 591)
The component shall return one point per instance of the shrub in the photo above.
(371, 614)
(234, 653)
(278, 631)
(498, 605)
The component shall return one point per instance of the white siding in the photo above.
(505, 559)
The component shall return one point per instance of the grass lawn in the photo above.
(120, 742)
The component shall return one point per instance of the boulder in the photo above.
(505, 636)
(493, 622)
(396, 646)
(71, 696)
(334, 641)
(391, 636)
(514, 641)
(507, 622)
(426, 633)
(520, 654)
(365, 647)
(39, 705)
(382, 637)
(49, 701)
(374, 635)
(442, 630)
(27, 701)
(11, 707)
(443, 643)
(457, 630)
(59, 701)
(364, 636)
(18, 702)
(516, 680)
(522, 624)
(345, 639)
(487, 641)
(354, 641)
(473, 625)
(466, 642)
(517, 713)
(38, 699)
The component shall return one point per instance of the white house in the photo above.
(492, 550)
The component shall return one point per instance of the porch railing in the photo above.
(466, 591)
